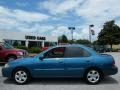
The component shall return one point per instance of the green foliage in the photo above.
(83, 41)
(63, 39)
(97, 43)
(34, 50)
(71, 42)
(30, 50)
(115, 50)
(110, 34)
(21, 47)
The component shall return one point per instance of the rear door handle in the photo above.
(60, 61)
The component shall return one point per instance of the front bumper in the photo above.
(7, 72)
(25, 54)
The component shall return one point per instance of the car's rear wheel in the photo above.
(93, 76)
(21, 76)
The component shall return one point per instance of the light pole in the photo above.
(72, 29)
(90, 26)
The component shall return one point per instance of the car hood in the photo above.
(15, 49)
(23, 61)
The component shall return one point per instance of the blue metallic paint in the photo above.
(63, 67)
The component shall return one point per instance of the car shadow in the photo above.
(109, 80)
(63, 81)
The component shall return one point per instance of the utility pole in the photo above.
(72, 29)
(90, 26)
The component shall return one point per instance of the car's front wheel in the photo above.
(21, 76)
(93, 76)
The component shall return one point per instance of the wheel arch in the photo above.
(20, 67)
(93, 67)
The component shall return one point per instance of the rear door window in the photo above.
(76, 52)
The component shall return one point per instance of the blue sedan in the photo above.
(62, 61)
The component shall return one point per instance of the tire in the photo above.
(93, 76)
(10, 58)
(21, 76)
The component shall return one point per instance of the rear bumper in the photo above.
(111, 71)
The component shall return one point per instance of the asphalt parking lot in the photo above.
(109, 83)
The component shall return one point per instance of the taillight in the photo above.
(113, 62)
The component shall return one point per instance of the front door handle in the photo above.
(60, 61)
(87, 61)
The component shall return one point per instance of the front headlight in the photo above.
(7, 65)
(20, 53)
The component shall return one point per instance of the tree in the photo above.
(110, 34)
(83, 41)
(63, 39)
(71, 41)
(95, 42)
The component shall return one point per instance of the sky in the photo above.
(53, 17)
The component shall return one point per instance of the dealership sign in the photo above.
(35, 37)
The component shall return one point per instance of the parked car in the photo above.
(101, 49)
(48, 46)
(44, 48)
(8, 52)
(62, 61)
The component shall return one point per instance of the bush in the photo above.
(30, 50)
(34, 50)
(21, 47)
(115, 50)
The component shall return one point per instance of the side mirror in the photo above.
(41, 58)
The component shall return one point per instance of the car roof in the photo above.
(72, 45)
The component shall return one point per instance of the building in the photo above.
(27, 39)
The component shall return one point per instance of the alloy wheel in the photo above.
(93, 76)
(20, 76)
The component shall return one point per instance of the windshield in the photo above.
(6, 45)
(38, 55)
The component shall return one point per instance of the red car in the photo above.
(44, 48)
(7, 52)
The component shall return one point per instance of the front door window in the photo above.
(55, 53)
